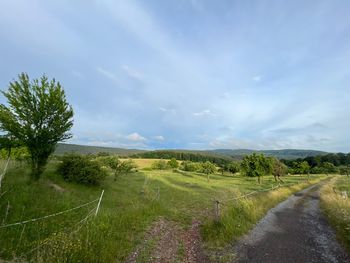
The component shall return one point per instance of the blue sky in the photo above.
(189, 73)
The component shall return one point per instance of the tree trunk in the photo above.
(208, 178)
(259, 180)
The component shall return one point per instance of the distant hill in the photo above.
(63, 148)
(235, 154)
(281, 154)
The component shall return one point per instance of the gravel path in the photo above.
(293, 231)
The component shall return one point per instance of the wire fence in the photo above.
(218, 202)
(96, 209)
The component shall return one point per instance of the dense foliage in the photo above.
(337, 159)
(119, 167)
(38, 116)
(160, 165)
(256, 165)
(81, 169)
(184, 156)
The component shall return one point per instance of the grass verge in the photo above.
(239, 216)
(337, 208)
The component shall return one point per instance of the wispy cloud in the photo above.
(132, 73)
(106, 73)
(135, 137)
(205, 113)
(78, 74)
(159, 138)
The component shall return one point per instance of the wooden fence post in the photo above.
(99, 202)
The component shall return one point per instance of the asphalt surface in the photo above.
(293, 231)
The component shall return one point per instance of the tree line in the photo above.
(183, 156)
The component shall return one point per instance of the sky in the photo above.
(189, 74)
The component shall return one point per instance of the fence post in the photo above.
(99, 202)
(217, 210)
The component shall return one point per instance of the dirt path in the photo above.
(293, 231)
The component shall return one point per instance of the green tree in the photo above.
(38, 116)
(119, 167)
(173, 163)
(160, 165)
(256, 165)
(208, 168)
(233, 167)
(304, 167)
(329, 168)
(345, 170)
(279, 169)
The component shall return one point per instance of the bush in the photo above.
(81, 169)
(173, 163)
(160, 165)
(191, 166)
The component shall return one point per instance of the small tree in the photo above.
(256, 165)
(173, 163)
(119, 167)
(38, 116)
(208, 168)
(233, 167)
(278, 169)
(160, 165)
(345, 170)
(329, 168)
(304, 167)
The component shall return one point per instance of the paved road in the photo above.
(293, 231)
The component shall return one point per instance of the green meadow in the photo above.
(128, 208)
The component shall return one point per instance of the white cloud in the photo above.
(204, 113)
(158, 138)
(132, 73)
(107, 73)
(78, 74)
(167, 110)
(135, 137)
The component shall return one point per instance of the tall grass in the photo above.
(336, 208)
(239, 216)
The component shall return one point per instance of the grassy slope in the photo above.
(336, 208)
(128, 208)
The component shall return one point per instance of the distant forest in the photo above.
(337, 159)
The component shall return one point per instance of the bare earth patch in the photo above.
(165, 241)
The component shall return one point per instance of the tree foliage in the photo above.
(119, 167)
(81, 169)
(208, 168)
(279, 169)
(37, 116)
(160, 165)
(173, 163)
(256, 165)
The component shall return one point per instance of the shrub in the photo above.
(160, 165)
(191, 166)
(81, 169)
(119, 167)
(173, 163)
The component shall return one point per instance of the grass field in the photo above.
(128, 208)
(143, 163)
(337, 208)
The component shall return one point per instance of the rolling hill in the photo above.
(63, 148)
(281, 154)
(235, 154)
